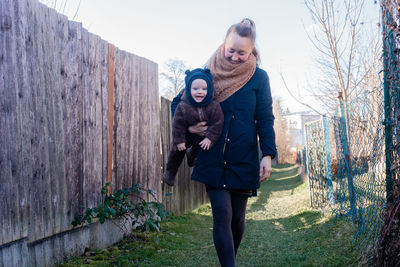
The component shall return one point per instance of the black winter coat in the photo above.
(233, 161)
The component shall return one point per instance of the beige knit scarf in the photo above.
(228, 77)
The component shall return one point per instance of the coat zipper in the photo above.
(226, 135)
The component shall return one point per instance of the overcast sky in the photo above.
(192, 30)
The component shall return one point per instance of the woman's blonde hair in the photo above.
(246, 28)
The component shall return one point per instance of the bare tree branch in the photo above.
(174, 74)
(338, 38)
(295, 98)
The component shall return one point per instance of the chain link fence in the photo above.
(388, 246)
(352, 158)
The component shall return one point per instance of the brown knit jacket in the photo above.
(187, 115)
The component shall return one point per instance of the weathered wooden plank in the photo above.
(183, 188)
(143, 122)
(150, 129)
(101, 70)
(117, 120)
(130, 125)
(98, 179)
(151, 142)
(136, 112)
(14, 146)
(85, 113)
(127, 121)
(11, 175)
(165, 144)
(50, 184)
(104, 48)
(130, 120)
(60, 77)
(92, 124)
(156, 103)
(38, 142)
(73, 121)
(147, 126)
(155, 143)
(7, 257)
(123, 121)
(25, 114)
(65, 61)
(6, 113)
(53, 185)
(31, 158)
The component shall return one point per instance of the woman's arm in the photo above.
(265, 168)
(265, 118)
(175, 102)
(216, 122)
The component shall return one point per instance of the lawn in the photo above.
(282, 230)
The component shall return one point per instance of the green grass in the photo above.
(281, 231)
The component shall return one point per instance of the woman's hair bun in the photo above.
(248, 22)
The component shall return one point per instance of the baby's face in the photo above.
(198, 90)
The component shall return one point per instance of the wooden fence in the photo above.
(75, 112)
(186, 194)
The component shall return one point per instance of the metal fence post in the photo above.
(307, 165)
(388, 47)
(346, 153)
(327, 136)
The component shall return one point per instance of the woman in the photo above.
(231, 169)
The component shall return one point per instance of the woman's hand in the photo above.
(205, 144)
(199, 128)
(265, 168)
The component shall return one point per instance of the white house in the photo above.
(296, 127)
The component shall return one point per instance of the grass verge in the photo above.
(281, 230)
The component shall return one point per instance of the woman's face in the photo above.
(237, 48)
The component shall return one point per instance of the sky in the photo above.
(192, 30)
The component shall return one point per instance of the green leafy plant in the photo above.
(143, 215)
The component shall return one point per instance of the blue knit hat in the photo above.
(203, 74)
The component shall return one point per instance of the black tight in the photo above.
(229, 223)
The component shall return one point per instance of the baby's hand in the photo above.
(205, 144)
(181, 146)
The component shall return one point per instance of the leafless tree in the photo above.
(346, 51)
(174, 75)
(281, 133)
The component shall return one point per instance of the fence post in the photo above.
(346, 152)
(307, 165)
(110, 110)
(327, 136)
(388, 47)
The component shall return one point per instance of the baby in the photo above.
(196, 105)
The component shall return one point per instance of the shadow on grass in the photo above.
(283, 177)
(303, 239)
